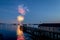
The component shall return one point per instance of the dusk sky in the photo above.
(39, 11)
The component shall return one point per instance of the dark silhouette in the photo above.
(1, 37)
(50, 24)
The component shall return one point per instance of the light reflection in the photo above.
(19, 31)
(20, 35)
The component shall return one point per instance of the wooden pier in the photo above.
(39, 34)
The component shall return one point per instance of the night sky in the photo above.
(39, 11)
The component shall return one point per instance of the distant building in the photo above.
(50, 25)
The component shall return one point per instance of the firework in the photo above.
(22, 9)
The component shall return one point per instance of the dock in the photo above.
(43, 32)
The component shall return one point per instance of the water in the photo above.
(8, 32)
(13, 36)
(27, 36)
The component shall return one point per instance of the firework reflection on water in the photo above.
(20, 35)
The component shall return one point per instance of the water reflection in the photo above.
(20, 35)
(27, 36)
